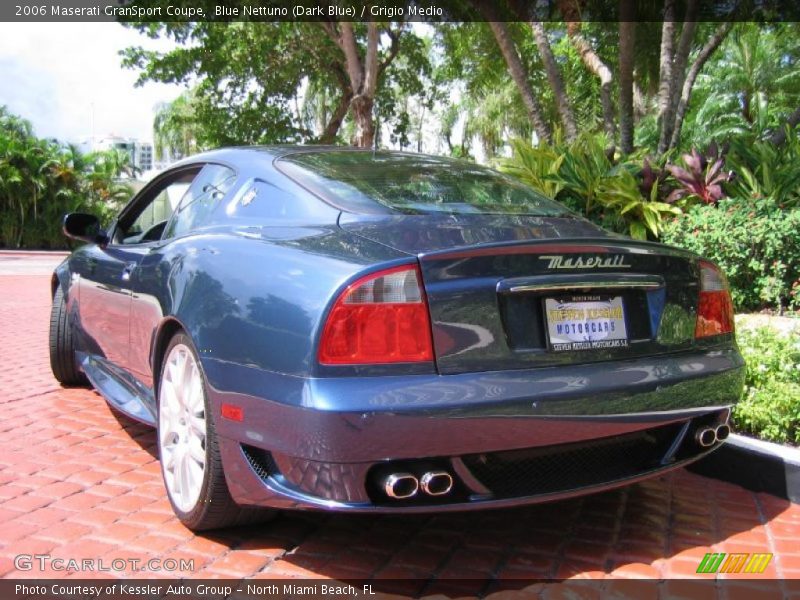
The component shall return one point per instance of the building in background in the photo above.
(141, 153)
(143, 156)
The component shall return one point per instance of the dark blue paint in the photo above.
(252, 289)
(656, 300)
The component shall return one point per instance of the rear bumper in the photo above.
(325, 437)
(315, 493)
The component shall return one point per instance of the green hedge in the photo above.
(758, 247)
(770, 406)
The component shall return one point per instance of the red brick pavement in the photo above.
(78, 480)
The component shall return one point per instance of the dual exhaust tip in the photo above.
(400, 486)
(708, 436)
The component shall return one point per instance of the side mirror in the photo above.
(85, 228)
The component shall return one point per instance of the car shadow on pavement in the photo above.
(657, 529)
(142, 434)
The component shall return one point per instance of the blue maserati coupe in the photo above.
(350, 330)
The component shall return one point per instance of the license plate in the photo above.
(585, 323)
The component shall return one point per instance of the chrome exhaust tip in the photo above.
(436, 483)
(722, 432)
(400, 486)
(706, 437)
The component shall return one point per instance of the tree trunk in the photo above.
(347, 42)
(639, 101)
(363, 77)
(520, 77)
(596, 66)
(779, 137)
(682, 54)
(419, 129)
(556, 81)
(686, 93)
(678, 76)
(747, 111)
(627, 38)
(665, 70)
(361, 106)
(21, 223)
(328, 136)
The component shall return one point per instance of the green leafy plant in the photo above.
(621, 195)
(757, 245)
(584, 175)
(770, 405)
(538, 166)
(40, 180)
(766, 170)
(652, 176)
(702, 178)
(586, 169)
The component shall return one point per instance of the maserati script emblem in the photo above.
(593, 262)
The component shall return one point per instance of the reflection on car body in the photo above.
(349, 330)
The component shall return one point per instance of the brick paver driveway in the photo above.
(78, 480)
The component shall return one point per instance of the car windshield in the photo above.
(414, 184)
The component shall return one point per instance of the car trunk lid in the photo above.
(499, 287)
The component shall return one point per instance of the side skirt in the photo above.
(119, 389)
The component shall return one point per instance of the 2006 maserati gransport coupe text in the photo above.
(374, 331)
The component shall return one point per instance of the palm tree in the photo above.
(517, 70)
(751, 85)
(627, 38)
(563, 104)
(40, 180)
(174, 129)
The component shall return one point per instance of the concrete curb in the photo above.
(755, 465)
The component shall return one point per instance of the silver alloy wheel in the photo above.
(182, 427)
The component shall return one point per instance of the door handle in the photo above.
(128, 270)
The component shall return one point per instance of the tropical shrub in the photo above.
(41, 180)
(757, 245)
(766, 170)
(770, 405)
(702, 178)
(537, 166)
(587, 178)
(622, 201)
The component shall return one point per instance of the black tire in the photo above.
(62, 350)
(215, 507)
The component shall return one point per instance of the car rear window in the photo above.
(363, 181)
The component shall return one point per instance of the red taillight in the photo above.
(381, 318)
(715, 308)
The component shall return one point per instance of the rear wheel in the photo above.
(62, 349)
(187, 445)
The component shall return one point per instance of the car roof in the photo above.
(268, 153)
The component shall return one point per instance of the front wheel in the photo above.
(62, 346)
(187, 445)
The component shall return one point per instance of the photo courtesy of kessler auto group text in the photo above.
(339, 299)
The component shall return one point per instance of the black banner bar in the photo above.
(433, 11)
(752, 586)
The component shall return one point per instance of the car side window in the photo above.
(268, 201)
(198, 204)
(149, 222)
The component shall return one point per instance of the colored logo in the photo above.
(719, 562)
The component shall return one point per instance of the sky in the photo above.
(57, 74)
